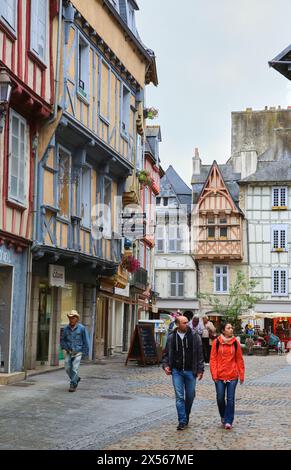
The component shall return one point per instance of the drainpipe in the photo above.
(35, 185)
(58, 63)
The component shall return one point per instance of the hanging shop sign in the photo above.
(56, 275)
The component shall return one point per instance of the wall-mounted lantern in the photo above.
(5, 94)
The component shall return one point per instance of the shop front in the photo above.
(56, 290)
(13, 291)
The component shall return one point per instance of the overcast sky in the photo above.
(212, 58)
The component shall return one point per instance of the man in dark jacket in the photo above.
(183, 359)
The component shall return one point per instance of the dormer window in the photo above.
(131, 17)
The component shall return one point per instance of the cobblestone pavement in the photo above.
(117, 407)
(263, 412)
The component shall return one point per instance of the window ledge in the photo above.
(11, 33)
(104, 120)
(16, 205)
(86, 228)
(37, 60)
(83, 98)
(279, 208)
(279, 250)
(50, 208)
(124, 136)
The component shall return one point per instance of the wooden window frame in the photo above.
(221, 275)
(12, 198)
(280, 293)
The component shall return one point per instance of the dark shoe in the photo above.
(72, 389)
(79, 378)
(181, 426)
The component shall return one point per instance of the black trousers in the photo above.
(206, 349)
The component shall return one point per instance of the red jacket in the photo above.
(227, 363)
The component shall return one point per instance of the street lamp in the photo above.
(5, 93)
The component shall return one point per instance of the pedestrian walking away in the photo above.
(75, 342)
(226, 367)
(183, 359)
(208, 335)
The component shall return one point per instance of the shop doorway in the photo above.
(6, 277)
(101, 333)
(126, 322)
(44, 324)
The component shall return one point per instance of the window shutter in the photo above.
(275, 238)
(283, 198)
(283, 238)
(275, 196)
(275, 282)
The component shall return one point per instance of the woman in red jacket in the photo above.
(227, 367)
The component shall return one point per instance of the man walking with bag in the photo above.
(183, 359)
(75, 341)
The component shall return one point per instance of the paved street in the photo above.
(119, 407)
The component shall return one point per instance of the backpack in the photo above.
(218, 343)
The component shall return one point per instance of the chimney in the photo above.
(196, 163)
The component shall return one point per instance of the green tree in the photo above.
(240, 299)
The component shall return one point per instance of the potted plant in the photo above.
(130, 263)
(145, 178)
(150, 113)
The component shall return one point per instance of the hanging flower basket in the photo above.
(130, 263)
(145, 178)
(150, 113)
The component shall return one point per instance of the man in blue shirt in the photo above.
(75, 341)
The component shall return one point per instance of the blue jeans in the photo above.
(184, 384)
(72, 364)
(226, 410)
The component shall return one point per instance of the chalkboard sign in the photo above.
(143, 346)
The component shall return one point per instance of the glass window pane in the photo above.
(181, 290)
(224, 284)
(181, 276)
(15, 126)
(173, 290)
(217, 284)
(173, 277)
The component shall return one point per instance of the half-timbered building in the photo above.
(217, 228)
(26, 58)
(86, 175)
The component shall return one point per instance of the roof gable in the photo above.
(215, 185)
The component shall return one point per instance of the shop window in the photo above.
(68, 302)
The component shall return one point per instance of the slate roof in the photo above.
(275, 164)
(173, 185)
(282, 61)
(230, 178)
(271, 171)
